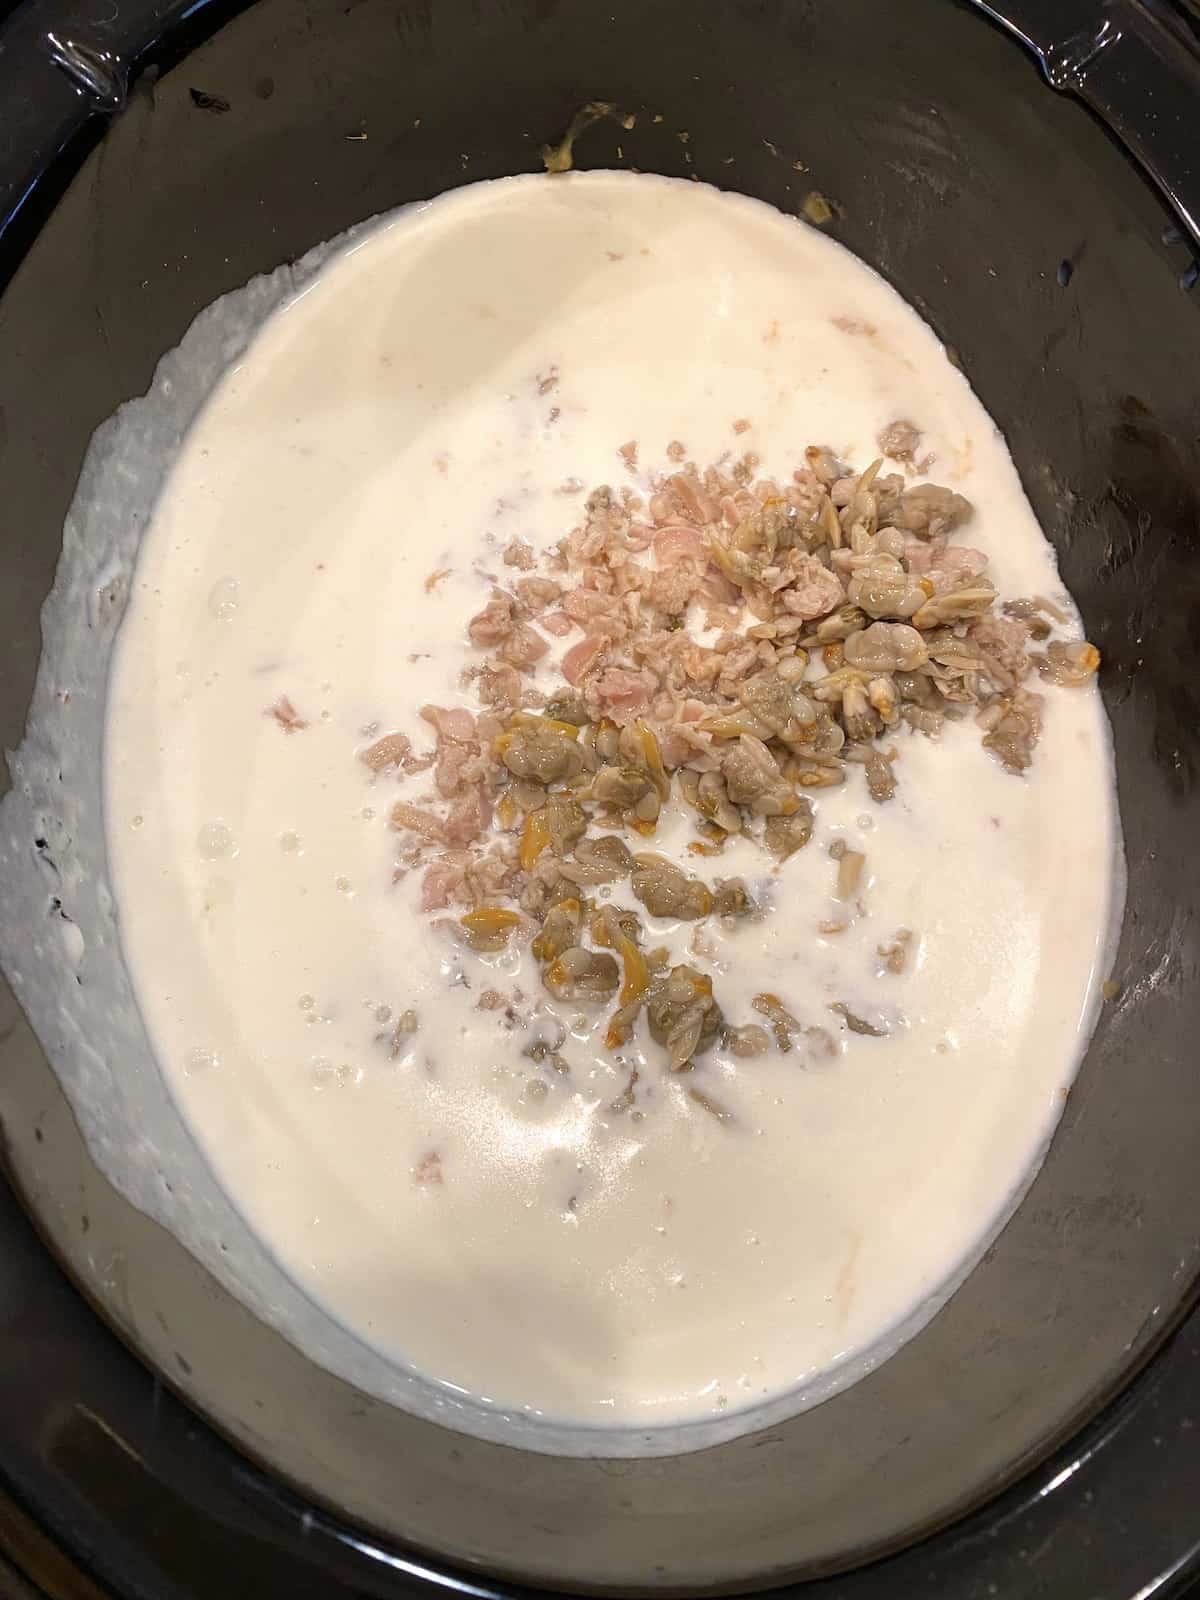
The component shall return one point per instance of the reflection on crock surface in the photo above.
(542, 1250)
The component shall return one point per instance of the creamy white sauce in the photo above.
(574, 1262)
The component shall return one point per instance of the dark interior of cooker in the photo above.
(1041, 256)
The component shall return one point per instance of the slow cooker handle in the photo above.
(1136, 64)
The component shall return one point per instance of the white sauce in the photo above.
(579, 1264)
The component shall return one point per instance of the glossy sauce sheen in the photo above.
(531, 1247)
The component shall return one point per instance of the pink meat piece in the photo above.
(685, 744)
(586, 604)
(454, 768)
(621, 690)
(519, 553)
(415, 819)
(672, 587)
(488, 728)
(494, 623)
(1001, 641)
(438, 886)
(919, 557)
(957, 565)
(580, 657)
(499, 685)
(815, 590)
(805, 493)
(696, 504)
(718, 590)
(453, 722)
(523, 647)
(537, 593)
(677, 543)
(558, 623)
(468, 817)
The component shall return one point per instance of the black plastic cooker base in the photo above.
(111, 1487)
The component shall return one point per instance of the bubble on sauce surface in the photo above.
(223, 599)
(199, 1059)
(215, 840)
(324, 1074)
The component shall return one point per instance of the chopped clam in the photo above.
(881, 780)
(922, 720)
(972, 600)
(650, 753)
(621, 786)
(783, 836)
(882, 588)
(620, 1025)
(560, 930)
(706, 792)
(753, 779)
(784, 1025)
(610, 924)
(1069, 661)
(839, 609)
(840, 624)
(776, 698)
(541, 752)
(849, 873)
(682, 1014)
(535, 836)
(929, 511)
(859, 717)
(900, 439)
(857, 1024)
(666, 891)
(599, 861)
(1012, 727)
(748, 1040)
(566, 822)
(886, 647)
(636, 973)
(489, 927)
(893, 952)
(568, 707)
(732, 900)
(579, 974)
(705, 1101)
